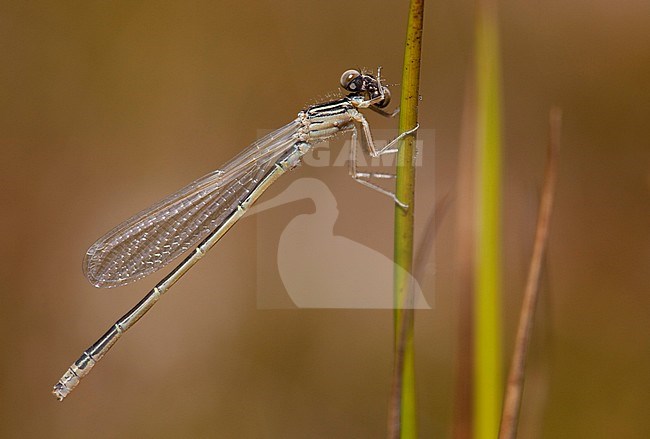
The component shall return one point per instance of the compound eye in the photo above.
(384, 102)
(347, 80)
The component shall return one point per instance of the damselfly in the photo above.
(202, 212)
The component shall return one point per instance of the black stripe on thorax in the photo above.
(329, 108)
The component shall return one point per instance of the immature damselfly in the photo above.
(202, 212)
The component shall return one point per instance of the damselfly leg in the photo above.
(390, 148)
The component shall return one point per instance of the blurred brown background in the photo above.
(105, 107)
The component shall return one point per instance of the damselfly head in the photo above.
(367, 86)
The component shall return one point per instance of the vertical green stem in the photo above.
(487, 328)
(405, 187)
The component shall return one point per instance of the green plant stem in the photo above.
(403, 256)
(487, 316)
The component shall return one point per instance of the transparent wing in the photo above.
(154, 237)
